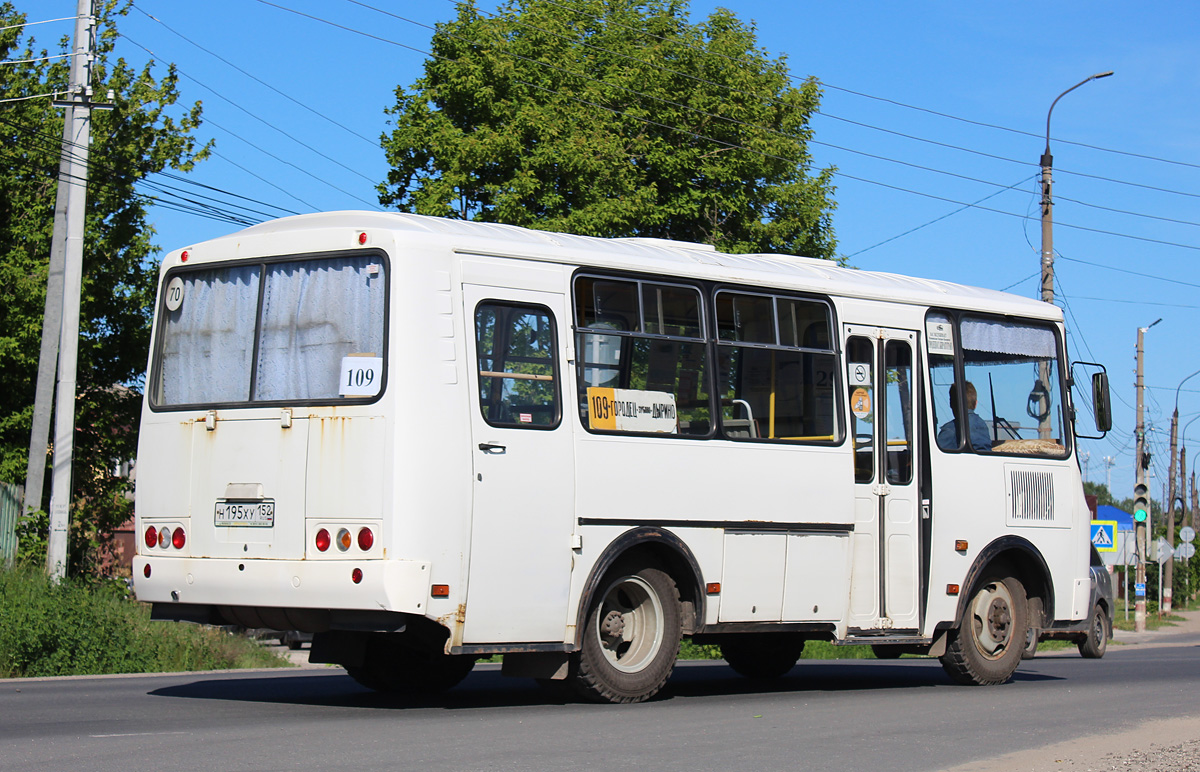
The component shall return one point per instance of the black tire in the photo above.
(631, 638)
(1096, 642)
(395, 669)
(1031, 643)
(987, 646)
(294, 644)
(762, 655)
(882, 651)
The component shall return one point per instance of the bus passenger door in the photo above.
(520, 559)
(882, 383)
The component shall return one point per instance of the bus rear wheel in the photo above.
(396, 669)
(762, 655)
(632, 637)
(987, 646)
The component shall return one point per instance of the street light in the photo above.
(1170, 567)
(1047, 162)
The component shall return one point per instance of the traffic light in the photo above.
(1141, 503)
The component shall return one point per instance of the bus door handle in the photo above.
(491, 447)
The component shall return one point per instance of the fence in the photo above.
(10, 510)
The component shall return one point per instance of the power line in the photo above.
(43, 143)
(1142, 274)
(695, 134)
(272, 126)
(33, 23)
(863, 94)
(255, 78)
(939, 219)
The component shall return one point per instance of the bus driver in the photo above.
(947, 436)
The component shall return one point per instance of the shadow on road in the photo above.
(487, 688)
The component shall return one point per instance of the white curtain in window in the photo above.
(316, 312)
(998, 337)
(209, 340)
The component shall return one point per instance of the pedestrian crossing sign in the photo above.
(1104, 535)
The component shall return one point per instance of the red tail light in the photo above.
(151, 537)
(178, 539)
(323, 540)
(356, 575)
(366, 539)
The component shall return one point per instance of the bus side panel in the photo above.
(736, 487)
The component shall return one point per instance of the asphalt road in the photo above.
(851, 714)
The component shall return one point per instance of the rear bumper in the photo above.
(392, 585)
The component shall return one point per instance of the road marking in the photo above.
(137, 734)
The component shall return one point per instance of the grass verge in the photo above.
(812, 650)
(80, 627)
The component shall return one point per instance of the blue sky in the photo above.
(949, 99)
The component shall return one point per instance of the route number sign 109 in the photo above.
(361, 376)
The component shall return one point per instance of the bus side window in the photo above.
(775, 368)
(860, 351)
(518, 384)
(642, 357)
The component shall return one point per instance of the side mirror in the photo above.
(1100, 401)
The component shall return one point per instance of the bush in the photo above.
(81, 627)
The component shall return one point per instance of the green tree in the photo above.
(611, 118)
(143, 134)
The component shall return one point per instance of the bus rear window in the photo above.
(282, 331)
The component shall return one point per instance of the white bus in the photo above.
(429, 441)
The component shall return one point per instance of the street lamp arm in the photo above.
(1060, 96)
(1180, 386)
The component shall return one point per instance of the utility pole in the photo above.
(76, 143)
(1109, 462)
(1165, 572)
(39, 437)
(1140, 463)
(1192, 511)
(1047, 163)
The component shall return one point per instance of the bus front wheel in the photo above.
(632, 636)
(986, 648)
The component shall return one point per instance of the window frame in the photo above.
(556, 370)
(1066, 407)
(158, 345)
(641, 280)
(708, 291)
(838, 435)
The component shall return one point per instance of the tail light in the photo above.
(178, 538)
(151, 537)
(356, 575)
(366, 539)
(323, 540)
(343, 539)
(164, 536)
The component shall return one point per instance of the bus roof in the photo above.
(667, 257)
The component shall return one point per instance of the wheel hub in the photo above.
(999, 619)
(613, 625)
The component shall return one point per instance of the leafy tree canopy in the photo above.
(142, 134)
(611, 118)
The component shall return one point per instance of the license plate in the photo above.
(251, 514)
